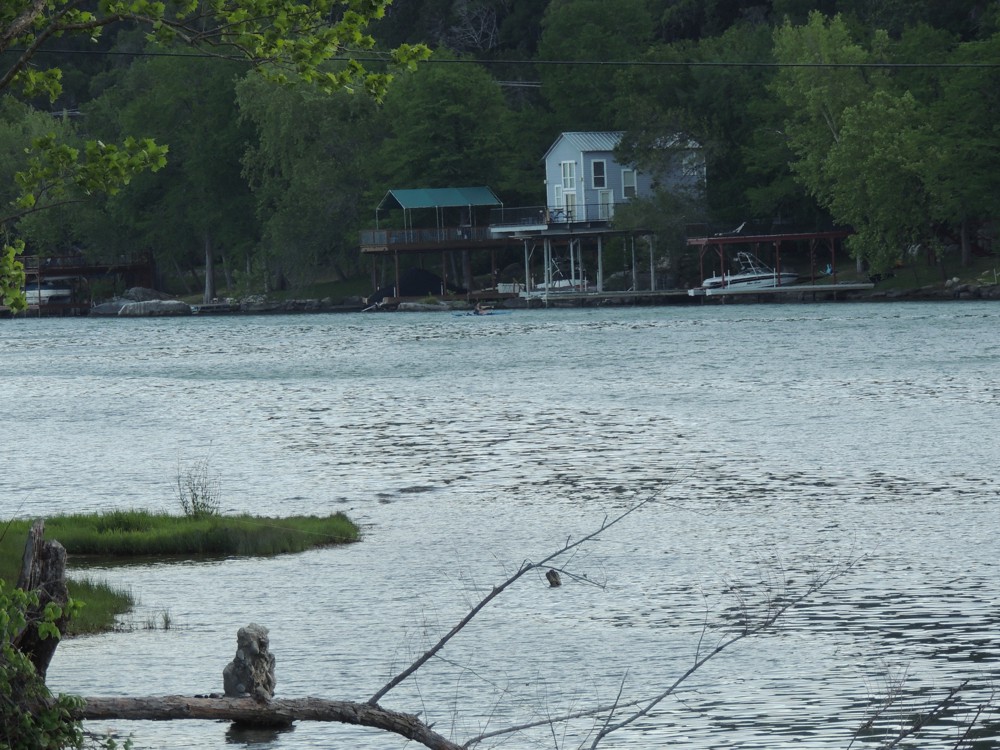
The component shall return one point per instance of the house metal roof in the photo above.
(587, 141)
(439, 198)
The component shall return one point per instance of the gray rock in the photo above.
(111, 308)
(143, 294)
(423, 307)
(154, 308)
(251, 672)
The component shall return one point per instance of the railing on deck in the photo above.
(549, 215)
(525, 216)
(500, 219)
(387, 237)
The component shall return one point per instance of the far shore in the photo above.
(168, 307)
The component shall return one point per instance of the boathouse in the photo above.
(561, 242)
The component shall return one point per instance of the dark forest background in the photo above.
(879, 115)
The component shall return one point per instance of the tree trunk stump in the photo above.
(43, 571)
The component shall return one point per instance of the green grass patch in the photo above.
(126, 535)
(102, 603)
(140, 534)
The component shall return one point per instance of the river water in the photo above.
(776, 443)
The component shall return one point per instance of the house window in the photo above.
(569, 175)
(599, 174)
(628, 183)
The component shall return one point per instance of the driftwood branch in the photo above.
(272, 713)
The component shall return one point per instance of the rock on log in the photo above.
(248, 710)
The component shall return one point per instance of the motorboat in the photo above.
(49, 292)
(563, 285)
(749, 272)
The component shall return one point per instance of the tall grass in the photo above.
(102, 603)
(139, 533)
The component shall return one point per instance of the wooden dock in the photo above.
(729, 291)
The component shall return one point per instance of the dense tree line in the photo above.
(877, 114)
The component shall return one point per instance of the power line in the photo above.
(568, 63)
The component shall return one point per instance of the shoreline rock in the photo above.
(154, 308)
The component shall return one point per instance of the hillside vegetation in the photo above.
(875, 115)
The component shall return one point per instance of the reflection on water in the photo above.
(782, 440)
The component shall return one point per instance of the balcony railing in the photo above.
(500, 219)
(549, 215)
(387, 237)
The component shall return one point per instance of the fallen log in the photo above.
(272, 713)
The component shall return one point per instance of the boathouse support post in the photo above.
(527, 268)
(395, 257)
(547, 261)
(467, 272)
(574, 248)
(652, 264)
(777, 262)
(635, 281)
(600, 263)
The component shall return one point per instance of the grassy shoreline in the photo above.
(126, 535)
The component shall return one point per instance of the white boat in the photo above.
(49, 292)
(562, 285)
(749, 272)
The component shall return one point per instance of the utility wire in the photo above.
(568, 63)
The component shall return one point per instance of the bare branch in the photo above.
(526, 567)
(560, 719)
(926, 718)
(974, 721)
(893, 692)
(774, 611)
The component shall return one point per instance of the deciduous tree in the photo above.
(309, 171)
(448, 126)
(314, 41)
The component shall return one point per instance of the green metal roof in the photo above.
(439, 198)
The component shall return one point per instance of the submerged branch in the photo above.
(772, 614)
